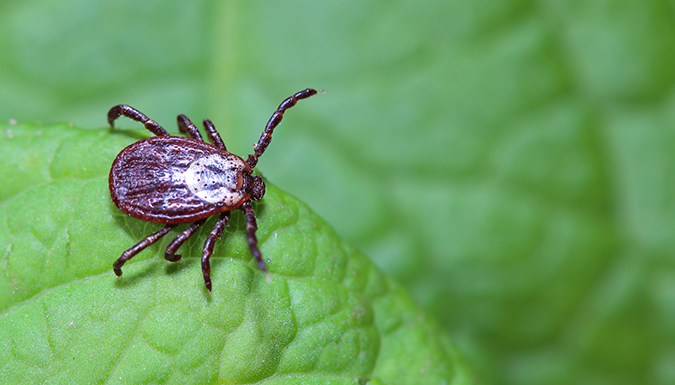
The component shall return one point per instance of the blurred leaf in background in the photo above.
(510, 161)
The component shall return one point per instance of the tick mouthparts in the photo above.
(254, 185)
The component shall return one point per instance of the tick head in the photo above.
(254, 186)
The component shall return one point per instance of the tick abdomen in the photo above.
(176, 180)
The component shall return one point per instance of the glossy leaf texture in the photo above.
(509, 161)
(325, 314)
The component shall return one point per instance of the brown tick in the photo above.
(173, 180)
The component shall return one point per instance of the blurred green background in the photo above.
(510, 161)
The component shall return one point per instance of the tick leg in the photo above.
(214, 135)
(210, 243)
(266, 136)
(185, 126)
(251, 228)
(149, 240)
(134, 114)
(170, 254)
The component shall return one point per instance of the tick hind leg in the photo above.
(149, 240)
(210, 243)
(170, 253)
(251, 228)
(134, 114)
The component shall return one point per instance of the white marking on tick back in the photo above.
(215, 179)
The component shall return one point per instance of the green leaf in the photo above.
(325, 314)
(509, 161)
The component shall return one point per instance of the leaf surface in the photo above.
(324, 315)
(509, 161)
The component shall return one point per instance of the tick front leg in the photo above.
(251, 228)
(134, 114)
(186, 126)
(149, 240)
(210, 243)
(170, 253)
(266, 136)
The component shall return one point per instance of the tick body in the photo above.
(175, 180)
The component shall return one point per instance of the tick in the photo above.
(174, 180)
